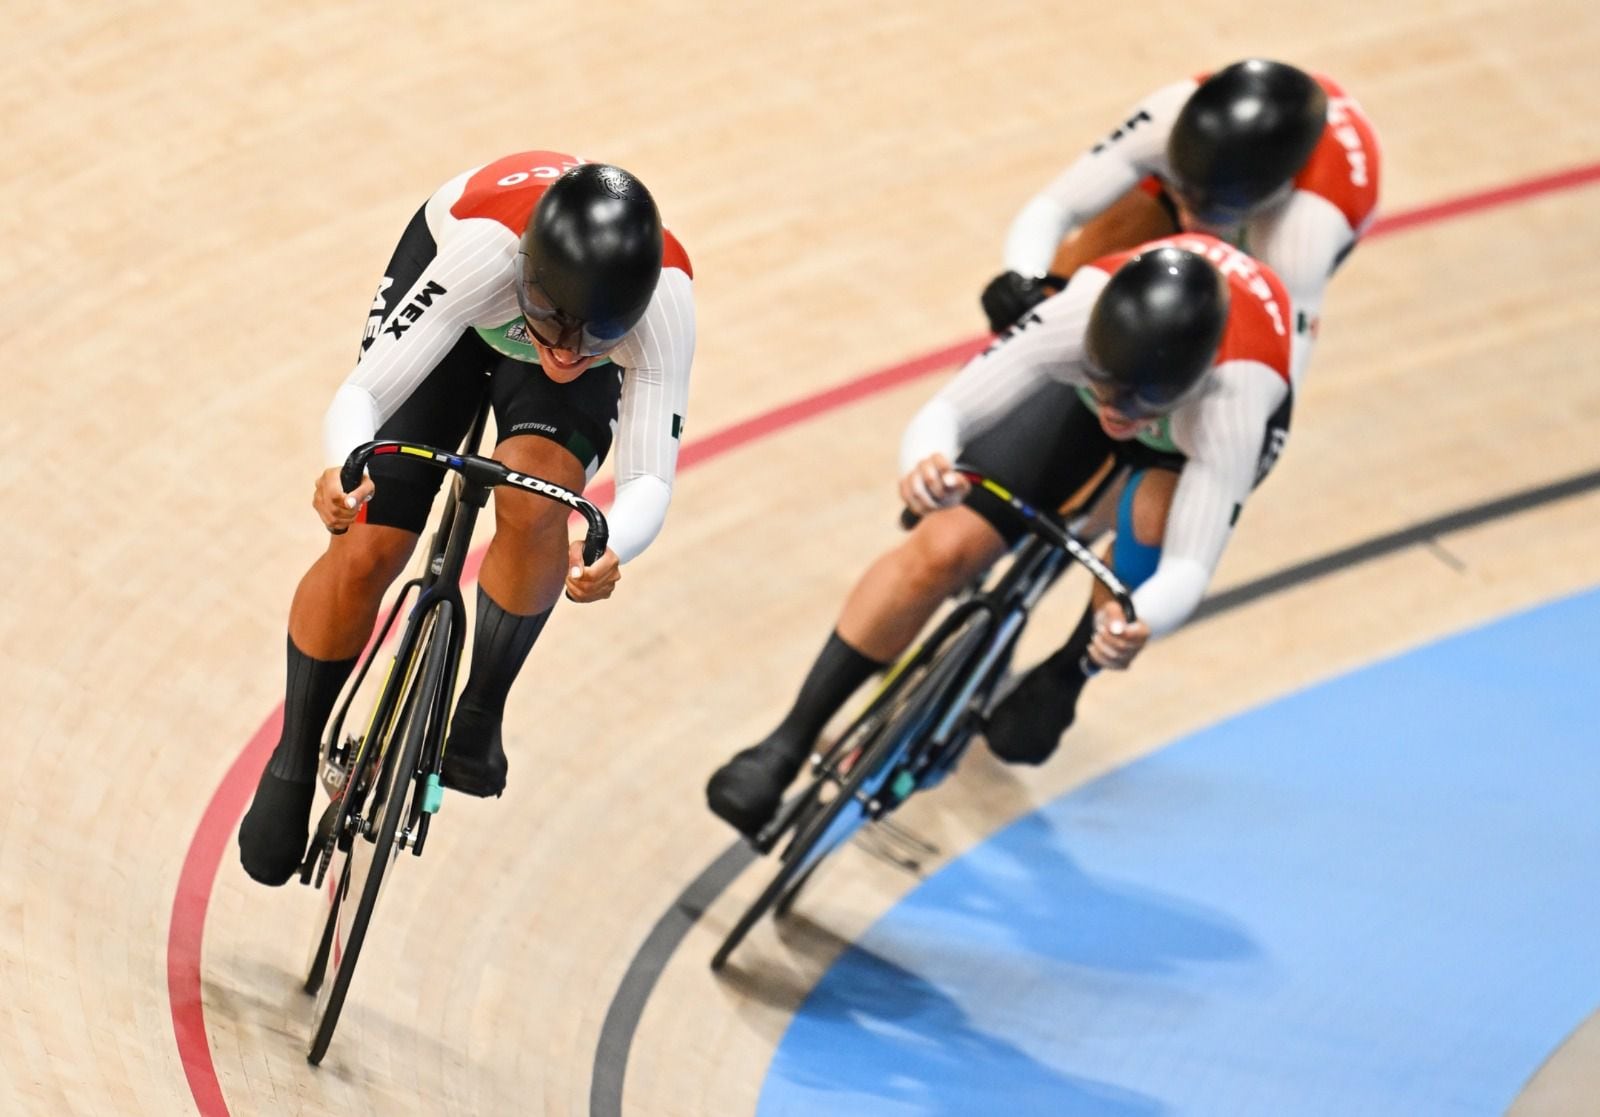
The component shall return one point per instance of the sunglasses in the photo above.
(1124, 399)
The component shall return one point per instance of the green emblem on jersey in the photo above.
(513, 340)
(1157, 436)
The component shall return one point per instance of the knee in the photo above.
(521, 516)
(370, 558)
(525, 519)
(947, 551)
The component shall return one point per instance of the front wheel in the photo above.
(362, 874)
(826, 825)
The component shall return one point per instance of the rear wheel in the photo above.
(363, 870)
(861, 770)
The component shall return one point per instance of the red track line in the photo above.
(189, 914)
(1486, 199)
(228, 802)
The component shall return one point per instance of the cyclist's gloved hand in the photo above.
(591, 583)
(338, 508)
(1009, 296)
(1115, 641)
(932, 485)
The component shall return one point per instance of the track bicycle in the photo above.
(383, 782)
(916, 727)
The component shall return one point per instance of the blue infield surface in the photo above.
(1378, 896)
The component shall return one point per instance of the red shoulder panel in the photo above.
(1259, 327)
(673, 255)
(1344, 166)
(507, 189)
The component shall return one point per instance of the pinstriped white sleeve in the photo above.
(1096, 179)
(469, 282)
(1222, 435)
(655, 395)
(1047, 343)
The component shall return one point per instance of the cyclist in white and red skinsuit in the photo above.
(548, 283)
(1303, 229)
(1200, 410)
(1278, 162)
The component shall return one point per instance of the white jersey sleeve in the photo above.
(1302, 240)
(1046, 344)
(467, 283)
(1100, 176)
(656, 357)
(1222, 434)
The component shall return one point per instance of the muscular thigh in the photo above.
(561, 432)
(579, 418)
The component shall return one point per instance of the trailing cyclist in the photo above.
(549, 283)
(1177, 359)
(1278, 162)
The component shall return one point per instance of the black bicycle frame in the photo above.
(439, 584)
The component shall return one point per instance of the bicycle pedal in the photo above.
(767, 837)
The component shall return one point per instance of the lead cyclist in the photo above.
(550, 283)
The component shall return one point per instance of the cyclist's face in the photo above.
(561, 365)
(1117, 418)
(1121, 427)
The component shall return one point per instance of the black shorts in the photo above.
(580, 416)
(1051, 450)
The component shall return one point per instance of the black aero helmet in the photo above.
(1154, 331)
(1242, 135)
(590, 259)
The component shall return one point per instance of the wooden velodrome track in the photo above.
(198, 200)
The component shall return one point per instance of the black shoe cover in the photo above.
(272, 837)
(474, 757)
(1028, 723)
(745, 792)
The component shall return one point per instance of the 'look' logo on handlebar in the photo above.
(555, 492)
